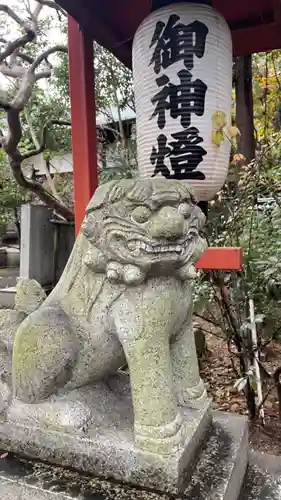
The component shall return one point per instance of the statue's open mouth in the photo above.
(137, 247)
(179, 247)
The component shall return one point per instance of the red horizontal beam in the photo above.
(256, 39)
(223, 259)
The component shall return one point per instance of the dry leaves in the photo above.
(217, 372)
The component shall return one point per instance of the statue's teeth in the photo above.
(136, 252)
(148, 248)
(136, 246)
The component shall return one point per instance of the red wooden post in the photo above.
(83, 119)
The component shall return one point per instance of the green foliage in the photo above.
(64, 187)
(121, 162)
(60, 81)
(41, 109)
(114, 83)
(238, 219)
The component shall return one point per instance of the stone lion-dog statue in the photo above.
(125, 298)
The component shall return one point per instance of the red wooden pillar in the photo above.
(83, 119)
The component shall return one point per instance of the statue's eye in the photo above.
(141, 214)
(185, 209)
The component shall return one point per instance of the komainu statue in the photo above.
(124, 298)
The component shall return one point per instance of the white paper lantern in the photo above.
(182, 66)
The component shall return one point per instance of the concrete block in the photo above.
(37, 243)
(45, 245)
(3, 257)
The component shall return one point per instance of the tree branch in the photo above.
(48, 198)
(10, 146)
(24, 92)
(25, 57)
(11, 65)
(53, 5)
(36, 12)
(44, 56)
(10, 142)
(43, 139)
(17, 44)
(30, 77)
(12, 72)
(43, 74)
(29, 26)
(10, 12)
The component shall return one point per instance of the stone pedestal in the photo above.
(217, 473)
(104, 444)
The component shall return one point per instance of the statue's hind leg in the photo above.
(44, 355)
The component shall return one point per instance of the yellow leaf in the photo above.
(233, 131)
(219, 120)
(217, 137)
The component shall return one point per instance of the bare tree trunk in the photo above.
(244, 106)
(17, 63)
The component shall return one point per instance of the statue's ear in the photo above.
(109, 193)
(120, 190)
(100, 197)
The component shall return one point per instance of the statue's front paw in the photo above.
(70, 416)
(190, 395)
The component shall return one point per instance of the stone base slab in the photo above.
(217, 475)
(103, 443)
(14, 490)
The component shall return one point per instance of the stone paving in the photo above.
(14, 490)
(263, 480)
(22, 479)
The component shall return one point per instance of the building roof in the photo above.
(255, 24)
(110, 115)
